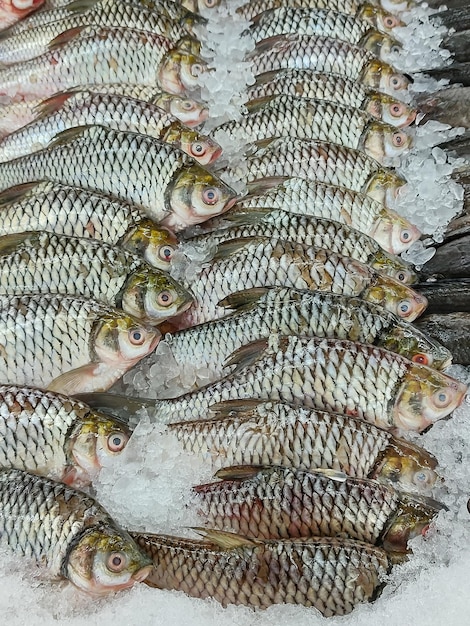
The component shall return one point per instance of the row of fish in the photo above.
(315, 367)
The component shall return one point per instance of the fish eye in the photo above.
(395, 48)
(405, 236)
(402, 276)
(166, 252)
(210, 3)
(442, 399)
(421, 359)
(396, 110)
(404, 308)
(136, 337)
(187, 105)
(165, 298)
(198, 148)
(210, 195)
(196, 69)
(116, 562)
(117, 441)
(398, 139)
(390, 21)
(397, 81)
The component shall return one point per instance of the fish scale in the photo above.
(351, 7)
(329, 375)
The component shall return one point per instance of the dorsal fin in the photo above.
(240, 472)
(226, 249)
(247, 355)
(266, 45)
(9, 244)
(226, 540)
(261, 185)
(258, 103)
(244, 299)
(267, 77)
(18, 192)
(242, 408)
(52, 104)
(340, 477)
(242, 217)
(69, 135)
(65, 37)
(81, 6)
(262, 144)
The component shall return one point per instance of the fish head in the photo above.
(411, 519)
(97, 438)
(390, 110)
(105, 560)
(155, 244)
(382, 141)
(200, 6)
(397, 6)
(416, 346)
(197, 195)
(153, 296)
(379, 18)
(180, 70)
(393, 232)
(425, 397)
(191, 112)
(384, 185)
(395, 297)
(12, 11)
(383, 77)
(122, 340)
(395, 267)
(380, 44)
(407, 466)
(202, 148)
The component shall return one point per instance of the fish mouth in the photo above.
(142, 573)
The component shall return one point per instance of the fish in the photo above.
(371, 12)
(324, 23)
(281, 503)
(41, 262)
(452, 330)
(55, 436)
(325, 54)
(300, 196)
(32, 43)
(203, 350)
(14, 10)
(335, 375)
(332, 88)
(66, 210)
(173, 189)
(305, 118)
(255, 432)
(261, 262)
(68, 345)
(310, 231)
(190, 112)
(200, 6)
(331, 575)
(103, 55)
(69, 533)
(323, 161)
(73, 108)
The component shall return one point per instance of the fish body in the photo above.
(72, 211)
(68, 532)
(69, 345)
(44, 263)
(330, 575)
(283, 503)
(330, 375)
(300, 196)
(304, 118)
(204, 349)
(249, 432)
(55, 436)
(170, 185)
(325, 54)
(81, 108)
(310, 231)
(332, 88)
(102, 55)
(32, 43)
(324, 23)
(325, 162)
(261, 262)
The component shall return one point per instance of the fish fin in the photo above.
(243, 217)
(266, 45)
(261, 185)
(262, 144)
(98, 400)
(425, 501)
(226, 540)
(81, 6)
(266, 77)
(340, 477)
(247, 355)
(239, 472)
(228, 407)
(258, 103)
(11, 243)
(228, 248)
(245, 299)
(18, 192)
(68, 135)
(69, 382)
(52, 104)
(65, 37)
